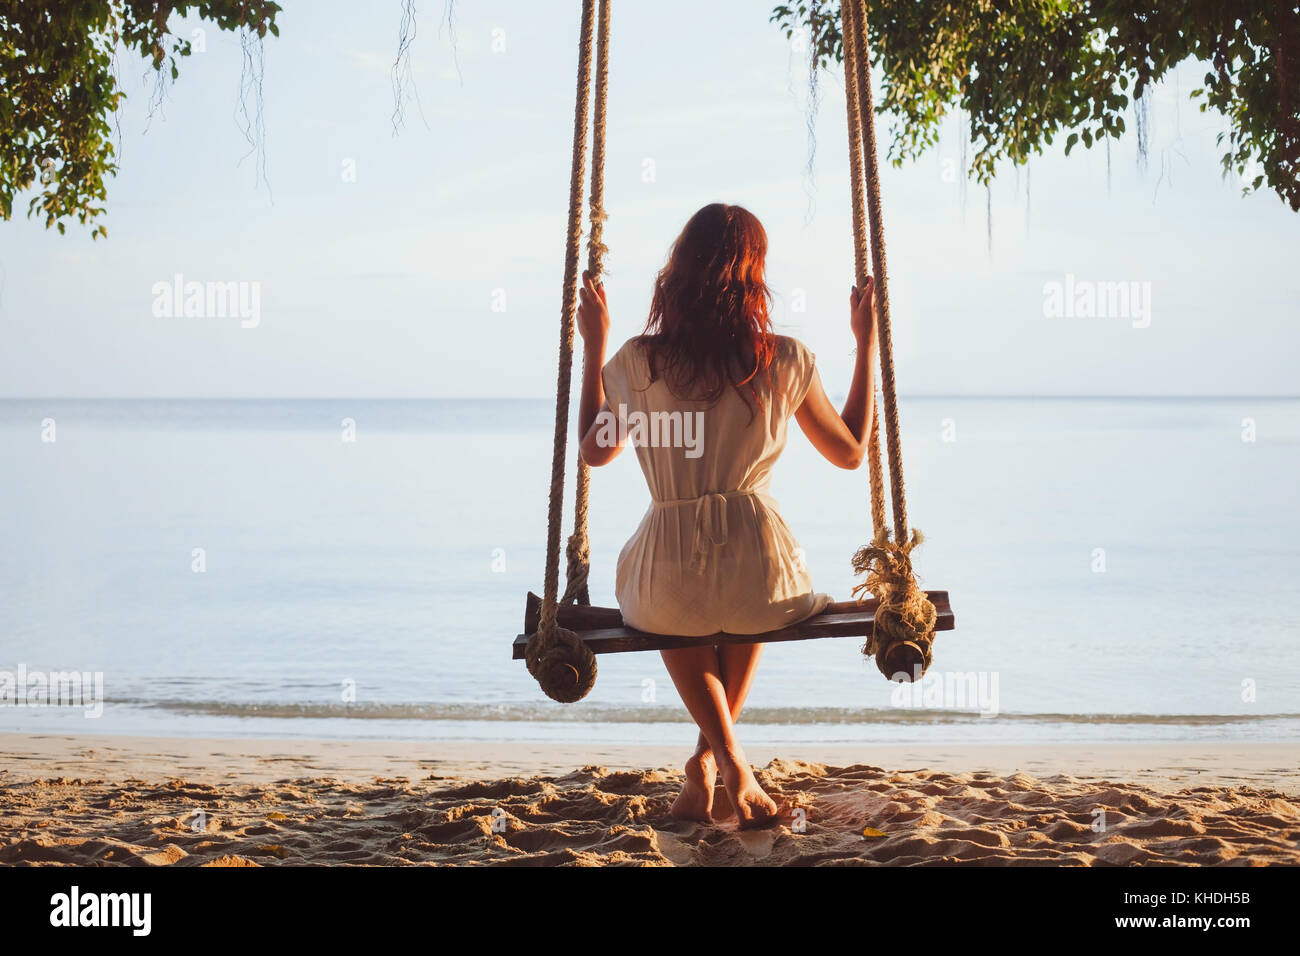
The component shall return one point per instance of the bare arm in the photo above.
(593, 325)
(843, 437)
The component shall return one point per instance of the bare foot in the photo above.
(695, 802)
(754, 808)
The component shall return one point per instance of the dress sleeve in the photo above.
(614, 379)
(802, 368)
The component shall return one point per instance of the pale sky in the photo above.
(386, 286)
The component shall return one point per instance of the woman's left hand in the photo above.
(593, 311)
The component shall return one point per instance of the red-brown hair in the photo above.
(711, 308)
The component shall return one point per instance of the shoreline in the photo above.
(1160, 764)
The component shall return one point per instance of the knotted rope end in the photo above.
(561, 663)
(902, 636)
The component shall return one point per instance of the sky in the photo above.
(428, 261)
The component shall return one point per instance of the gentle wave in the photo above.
(594, 713)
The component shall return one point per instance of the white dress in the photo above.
(712, 552)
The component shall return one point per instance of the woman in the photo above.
(705, 395)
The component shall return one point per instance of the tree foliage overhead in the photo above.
(1028, 71)
(1023, 71)
(59, 90)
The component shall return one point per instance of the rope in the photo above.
(867, 119)
(556, 656)
(903, 631)
(860, 254)
(578, 551)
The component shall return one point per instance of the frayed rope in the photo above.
(903, 636)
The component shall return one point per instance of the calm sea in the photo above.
(1120, 570)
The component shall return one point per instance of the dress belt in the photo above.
(710, 521)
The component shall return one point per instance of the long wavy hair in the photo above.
(710, 325)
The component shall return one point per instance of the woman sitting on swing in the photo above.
(712, 552)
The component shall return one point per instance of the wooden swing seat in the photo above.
(602, 630)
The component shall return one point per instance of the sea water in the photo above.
(1120, 569)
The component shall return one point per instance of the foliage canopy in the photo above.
(1028, 71)
(59, 90)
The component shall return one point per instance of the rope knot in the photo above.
(561, 663)
(903, 635)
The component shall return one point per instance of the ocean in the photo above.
(1120, 570)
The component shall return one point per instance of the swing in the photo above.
(562, 634)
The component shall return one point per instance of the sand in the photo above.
(203, 802)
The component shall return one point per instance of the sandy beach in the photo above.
(240, 802)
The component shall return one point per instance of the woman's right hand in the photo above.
(863, 305)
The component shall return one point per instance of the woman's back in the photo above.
(712, 552)
(690, 447)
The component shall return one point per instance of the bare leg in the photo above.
(695, 802)
(697, 675)
(738, 663)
